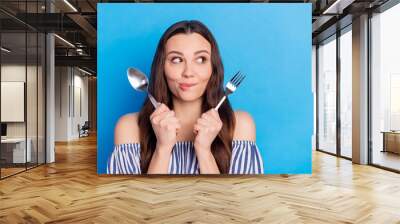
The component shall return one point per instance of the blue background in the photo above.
(270, 43)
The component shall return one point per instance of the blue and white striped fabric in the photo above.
(246, 159)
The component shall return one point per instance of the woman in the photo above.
(185, 134)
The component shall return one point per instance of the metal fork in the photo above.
(231, 86)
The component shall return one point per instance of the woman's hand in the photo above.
(207, 128)
(165, 126)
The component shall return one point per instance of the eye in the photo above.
(176, 60)
(201, 60)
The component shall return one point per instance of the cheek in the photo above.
(171, 84)
(205, 75)
(172, 73)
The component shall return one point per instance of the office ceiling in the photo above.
(76, 22)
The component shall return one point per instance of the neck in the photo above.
(187, 111)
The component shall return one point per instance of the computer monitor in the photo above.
(3, 129)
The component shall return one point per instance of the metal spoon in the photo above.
(139, 81)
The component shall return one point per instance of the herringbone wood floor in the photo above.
(70, 191)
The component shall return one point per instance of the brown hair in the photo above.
(221, 147)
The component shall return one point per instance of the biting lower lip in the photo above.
(186, 86)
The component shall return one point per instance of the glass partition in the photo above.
(346, 93)
(13, 105)
(385, 89)
(327, 95)
(22, 88)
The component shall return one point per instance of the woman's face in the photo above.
(187, 65)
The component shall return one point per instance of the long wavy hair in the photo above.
(221, 147)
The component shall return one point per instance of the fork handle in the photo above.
(220, 103)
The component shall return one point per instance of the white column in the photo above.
(50, 110)
(50, 91)
(360, 90)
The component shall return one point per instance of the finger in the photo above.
(163, 123)
(175, 122)
(207, 117)
(213, 117)
(166, 114)
(213, 113)
(175, 119)
(157, 119)
(169, 114)
(210, 126)
(169, 122)
(203, 122)
(208, 121)
(196, 128)
(216, 118)
(177, 128)
(200, 127)
(160, 109)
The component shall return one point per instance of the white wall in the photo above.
(12, 73)
(33, 126)
(314, 91)
(61, 103)
(71, 87)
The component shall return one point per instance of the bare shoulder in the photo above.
(127, 129)
(245, 128)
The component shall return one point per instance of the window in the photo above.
(346, 92)
(327, 95)
(385, 88)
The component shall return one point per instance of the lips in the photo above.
(186, 86)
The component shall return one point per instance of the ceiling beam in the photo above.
(82, 61)
(86, 26)
(337, 6)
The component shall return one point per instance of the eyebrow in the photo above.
(197, 52)
(201, 51)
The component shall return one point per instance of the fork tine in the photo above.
(239, 80)
(234, 78)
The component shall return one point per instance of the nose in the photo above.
(188, 71)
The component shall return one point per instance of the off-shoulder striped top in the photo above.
(245, 159)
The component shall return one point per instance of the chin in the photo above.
(189, 97)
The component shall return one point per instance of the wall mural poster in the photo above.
(217, 88)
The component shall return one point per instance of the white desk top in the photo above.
(13, 140)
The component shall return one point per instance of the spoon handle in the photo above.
(153, 101)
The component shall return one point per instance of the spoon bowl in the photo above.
(139, 81)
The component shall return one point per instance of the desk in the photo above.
(391, 141)
(18, 149)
